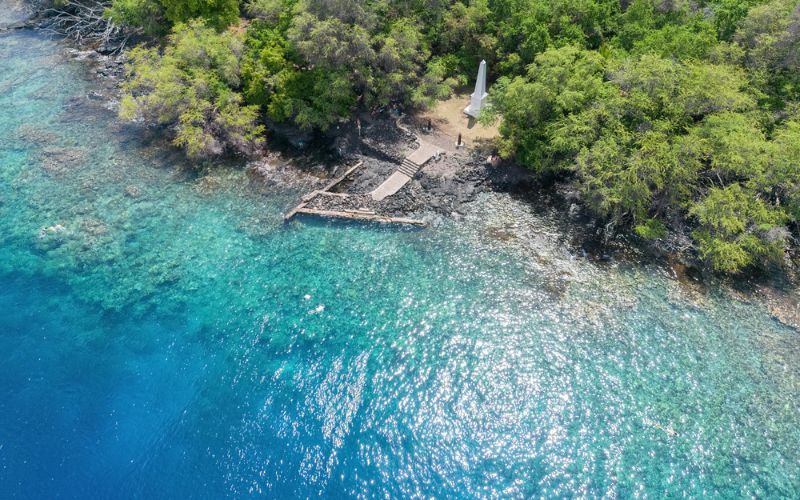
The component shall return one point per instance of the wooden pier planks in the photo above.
(324, 191)
(360, 215)
(336, 181)
(390, 186)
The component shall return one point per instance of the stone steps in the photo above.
(406, 171)
(408, 168)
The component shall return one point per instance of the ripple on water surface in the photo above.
(164, 334)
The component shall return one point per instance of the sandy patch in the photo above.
(449, 120)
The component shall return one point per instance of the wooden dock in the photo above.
(360, 215)
(342, 177)
(406, 171)
(317, 192)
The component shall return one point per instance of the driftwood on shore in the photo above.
(81, 20)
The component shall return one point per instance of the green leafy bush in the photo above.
(190, 88)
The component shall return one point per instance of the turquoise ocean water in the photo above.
(164, 335)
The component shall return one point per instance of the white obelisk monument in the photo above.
(478, 99)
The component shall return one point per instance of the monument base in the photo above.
(475, 105)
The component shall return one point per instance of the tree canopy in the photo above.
(190, 85)
(668, 115)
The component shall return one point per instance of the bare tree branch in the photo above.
(84, 22)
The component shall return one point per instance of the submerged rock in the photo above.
(133, 191)
(50, 230)
(82, 55)
(208, 184)
(35, 135)
(783, 305)
(58, 160)
(94, 227)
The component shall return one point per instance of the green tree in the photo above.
(728, 14)
(157, 16)
(732, 146)
(536, 126)
(782, 179)
(217, 13)
(190, 88)
(770, 35)
(145, 14)
(736, 228)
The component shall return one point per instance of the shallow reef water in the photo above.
(163, 334)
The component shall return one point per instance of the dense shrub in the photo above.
(665, 114)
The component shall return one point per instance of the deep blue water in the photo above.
(164, 335)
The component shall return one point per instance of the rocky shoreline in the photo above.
(449, 185)
(445, 187)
